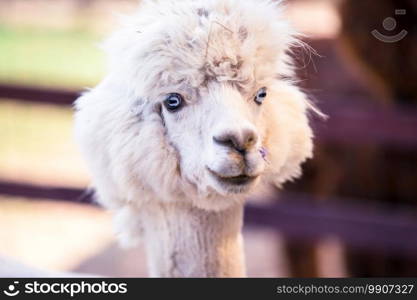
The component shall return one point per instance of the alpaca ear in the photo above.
(289, 136)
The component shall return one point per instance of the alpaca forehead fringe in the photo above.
(208, 38)
(196, 41)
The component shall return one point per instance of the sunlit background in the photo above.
(55, 44)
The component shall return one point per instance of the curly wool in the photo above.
(204, 49)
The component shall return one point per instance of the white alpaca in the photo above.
(196, 111)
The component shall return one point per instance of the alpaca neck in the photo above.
(184, 241)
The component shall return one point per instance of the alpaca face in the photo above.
(195, 106)
(218, 137)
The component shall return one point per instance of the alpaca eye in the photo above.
(260, 95)
(173, 102)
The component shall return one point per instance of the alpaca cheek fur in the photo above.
(288, 146)
(187, 142)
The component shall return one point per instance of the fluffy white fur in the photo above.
(217, 54)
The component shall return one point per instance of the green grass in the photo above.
(67, 58)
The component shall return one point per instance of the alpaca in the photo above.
(198, 109)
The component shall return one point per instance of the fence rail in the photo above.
(38, 94)
(294, 216)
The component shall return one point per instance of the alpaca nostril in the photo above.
(249, 139)
(228, 140)
(240, 143)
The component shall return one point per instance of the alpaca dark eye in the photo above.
(260, 95)
(173, 102)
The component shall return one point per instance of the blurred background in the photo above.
(352, 214)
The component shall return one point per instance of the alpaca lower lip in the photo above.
(237, 180)
(234, 180)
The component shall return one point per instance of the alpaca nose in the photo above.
(239, 141)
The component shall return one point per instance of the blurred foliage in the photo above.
(22, 122)
(37, 144)
(49, 57)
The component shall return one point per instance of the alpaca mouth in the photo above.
(241, 179)
(237, 180)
